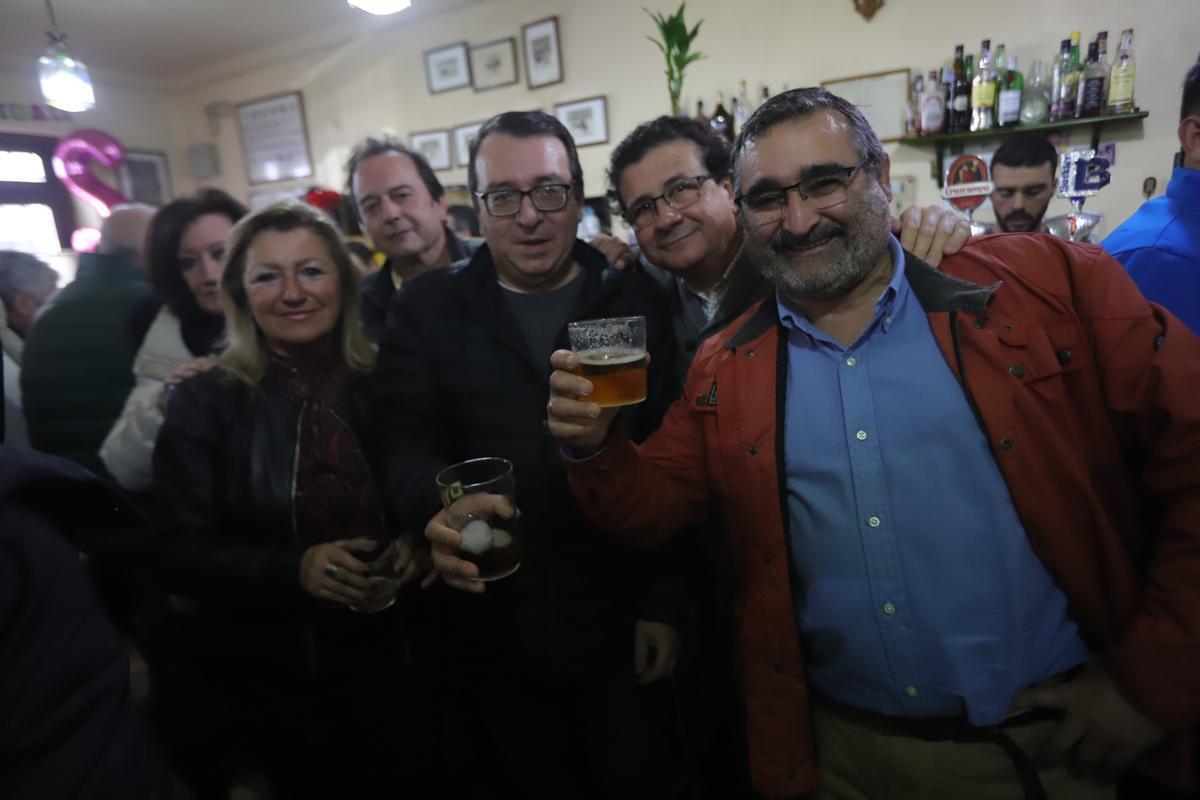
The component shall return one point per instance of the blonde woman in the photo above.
(273, 522)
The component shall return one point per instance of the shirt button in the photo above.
(981, 323)
(889, 609)
(861, 436)
(1006, 443)
(887, 320)
(749, 354)
(851, 361)
(911, 691)
(874, 522)
(1017, 371)
(753, 450)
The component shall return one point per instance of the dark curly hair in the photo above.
(664, 130)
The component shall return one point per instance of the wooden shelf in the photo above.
(941, 141)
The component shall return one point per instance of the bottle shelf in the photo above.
(942, 141)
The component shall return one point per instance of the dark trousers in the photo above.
(601, 738)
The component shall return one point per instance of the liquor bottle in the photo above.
(1090, 102)
(912, 109)
(722, 121)
(1071, 74)
(701, 117)
(1000, 63)
(1062, 64)
(969, 65)
(1102, 40)
(933, 106)
(1120, 80)
(766, 95)
(1035, 100)
(741, 112)
(960, 95)
(1008, 103)
(983, 91)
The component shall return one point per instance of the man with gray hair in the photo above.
(78, 355)
(25, 284)
(964, 505)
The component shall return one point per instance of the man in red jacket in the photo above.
(963, 506)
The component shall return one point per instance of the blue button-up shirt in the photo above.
(916, 590)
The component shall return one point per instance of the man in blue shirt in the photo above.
(1160, 243)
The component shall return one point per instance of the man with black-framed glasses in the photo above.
(670, 180)
(560, 666)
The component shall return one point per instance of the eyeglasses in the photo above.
(507, 202)
(766, 206)
(678, 196)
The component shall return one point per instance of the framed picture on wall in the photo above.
(145, 177)
(881, 96)
(494, 64)
(447, 68)
(543, 54)
(587, 120)
(434, 145)
(274, 138)
(463, 136)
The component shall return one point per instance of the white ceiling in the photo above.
(177, 43)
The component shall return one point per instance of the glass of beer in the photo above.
(612, 355)
(489, 541)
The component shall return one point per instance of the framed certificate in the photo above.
(275, 138)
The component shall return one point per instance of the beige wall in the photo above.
(378, 83)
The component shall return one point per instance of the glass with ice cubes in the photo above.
(489, 541)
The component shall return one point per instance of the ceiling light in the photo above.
(380, 7)
(65, 81)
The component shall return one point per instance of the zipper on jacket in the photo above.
(309, 639)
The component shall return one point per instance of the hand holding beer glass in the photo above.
(475, 535)
(604, 370)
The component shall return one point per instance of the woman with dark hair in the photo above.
(272, 524)
(185, 249)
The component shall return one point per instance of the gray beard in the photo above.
(863, 243)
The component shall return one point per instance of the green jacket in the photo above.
(77, 365)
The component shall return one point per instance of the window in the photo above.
(35, 210)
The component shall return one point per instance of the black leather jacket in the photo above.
(224, 467)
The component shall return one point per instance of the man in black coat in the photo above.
(558, 666)
(402, 205)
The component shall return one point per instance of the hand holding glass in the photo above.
(612, 355)
(469, 491)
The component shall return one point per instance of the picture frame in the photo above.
(275, 138)
(881, 96)
(434, 146)
(145, 177)
(586, 119)
(447, 68)
(494, 64)
(463, 135)
(543, 53)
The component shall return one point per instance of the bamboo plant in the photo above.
(675, 44)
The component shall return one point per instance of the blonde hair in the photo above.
(245, 356)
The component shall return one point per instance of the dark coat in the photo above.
(455, 381)
(77, 368)
(224, 469)
(377, 289)
(68, 727)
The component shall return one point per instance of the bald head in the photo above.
(124, 232)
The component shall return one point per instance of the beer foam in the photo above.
(610, 356)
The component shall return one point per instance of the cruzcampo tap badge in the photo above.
(966, 188)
